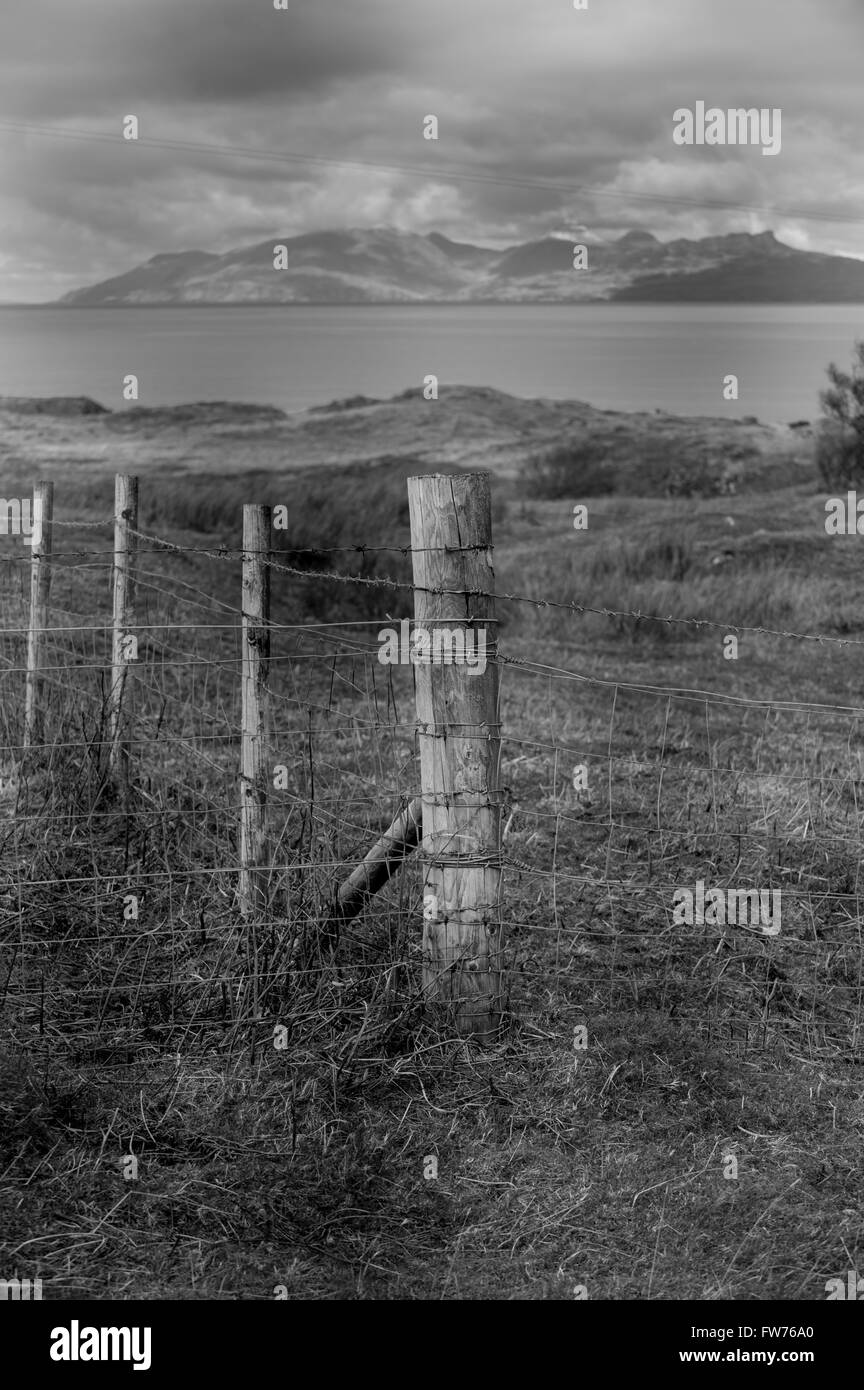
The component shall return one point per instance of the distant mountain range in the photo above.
(385, 266)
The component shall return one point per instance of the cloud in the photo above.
(548, 117)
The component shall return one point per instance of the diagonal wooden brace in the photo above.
(379, 864)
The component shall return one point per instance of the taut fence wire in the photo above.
(124, 935)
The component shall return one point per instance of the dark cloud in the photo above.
(70, 60)
(526, 91)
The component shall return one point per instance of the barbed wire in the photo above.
(577, 882)
(540, 604)
(224, 552)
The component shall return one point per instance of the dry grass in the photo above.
(304, 1167)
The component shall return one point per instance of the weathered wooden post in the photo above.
(124, 642)
(255, 710)
(41, 539)
(459, 743)
(388, 852)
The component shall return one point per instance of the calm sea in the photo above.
(625, 357)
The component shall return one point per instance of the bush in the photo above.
(570, 470)
(840, 436)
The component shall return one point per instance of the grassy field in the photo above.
(304, 1171)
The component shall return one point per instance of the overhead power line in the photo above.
(433, 170)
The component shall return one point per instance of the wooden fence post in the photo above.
(40, 588)
(255, 710)
(125, 549)
(459, 742)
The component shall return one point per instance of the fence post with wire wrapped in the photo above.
(455, 654)
(124, 643)
(41, 541)
(255, 698)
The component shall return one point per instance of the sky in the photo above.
(550, 120)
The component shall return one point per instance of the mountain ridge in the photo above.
(386, 266)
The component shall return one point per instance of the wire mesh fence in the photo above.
(149, 1018)
(119, 904)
